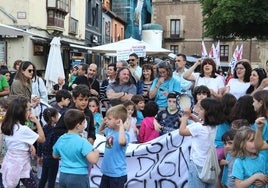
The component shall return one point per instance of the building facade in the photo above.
(183, 32)
(71, 20)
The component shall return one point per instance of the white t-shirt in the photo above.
(212, 83)
(238, 88)
(200, 142)
(22, 138)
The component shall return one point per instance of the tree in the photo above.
(235, 18)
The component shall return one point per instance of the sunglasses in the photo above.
(131, 59)
(30, 70)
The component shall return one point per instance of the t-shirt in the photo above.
(72, 149)
(22, 137)
(238, 88)
(3, 82)
(114, 161)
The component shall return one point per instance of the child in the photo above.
(16, 164)
(249, 169)
(74, 151)
(139, 101)
(80, 101)
(147, 131)
(3, 110)
(168, 120)
(227, 163)
(93, 105)
(238, 123)
(63, 98)
(131, 121)
(199, 93)
(45, 159)
(114, 166)
(202, 136)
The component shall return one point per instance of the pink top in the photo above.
(147, 131)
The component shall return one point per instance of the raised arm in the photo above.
(188, 75)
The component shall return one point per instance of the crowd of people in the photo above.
(134, 104)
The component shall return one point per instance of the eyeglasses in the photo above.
(30, 70)
(239, 68)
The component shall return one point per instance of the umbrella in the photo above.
(128, 44)
(54, 68)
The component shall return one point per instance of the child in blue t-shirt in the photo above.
(114, 166)
(74, 151)
(139, 102)
(249, 168)
(94, 107)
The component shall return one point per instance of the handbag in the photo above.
(211, 168)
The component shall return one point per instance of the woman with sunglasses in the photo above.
(22, 83)
(206, 77)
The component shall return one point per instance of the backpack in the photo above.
(211, 168)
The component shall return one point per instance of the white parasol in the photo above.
(54, 68)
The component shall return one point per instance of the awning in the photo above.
(80, 46)
(13, 31)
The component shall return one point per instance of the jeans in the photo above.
(193, 179)
(74, 180)
(113, 182)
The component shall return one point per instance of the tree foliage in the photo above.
(235, 18)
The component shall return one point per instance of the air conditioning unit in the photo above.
(95, 39)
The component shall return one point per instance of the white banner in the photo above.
(160, 163)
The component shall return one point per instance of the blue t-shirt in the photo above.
(98, 120)
(221, 129)
(72, 149)
(114, 161)
(171, 85)
(139, 117)
(265, 138)
(246, 167)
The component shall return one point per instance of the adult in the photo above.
(180, 63)
(94, 85)
(16, 66)
(121, 64)
(111, 73)
(255, 79)
(134, 68)
(39, 88)
(122, 89)
(163, 85)
(82, 75)
(22, 83)
(146, 81)
(207, 76)
(60, 85)
(4, 85)
(239, 84)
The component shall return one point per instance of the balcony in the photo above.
(169, 37)
(73, 25)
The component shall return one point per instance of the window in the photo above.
(56, 12)
(224, 53)
(174, 49)
(174, 28)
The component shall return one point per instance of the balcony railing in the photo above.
(168, 36)
(73, 25)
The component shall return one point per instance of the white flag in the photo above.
(204, 50)
(217, 55)
(240, 53)
(233, 60)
